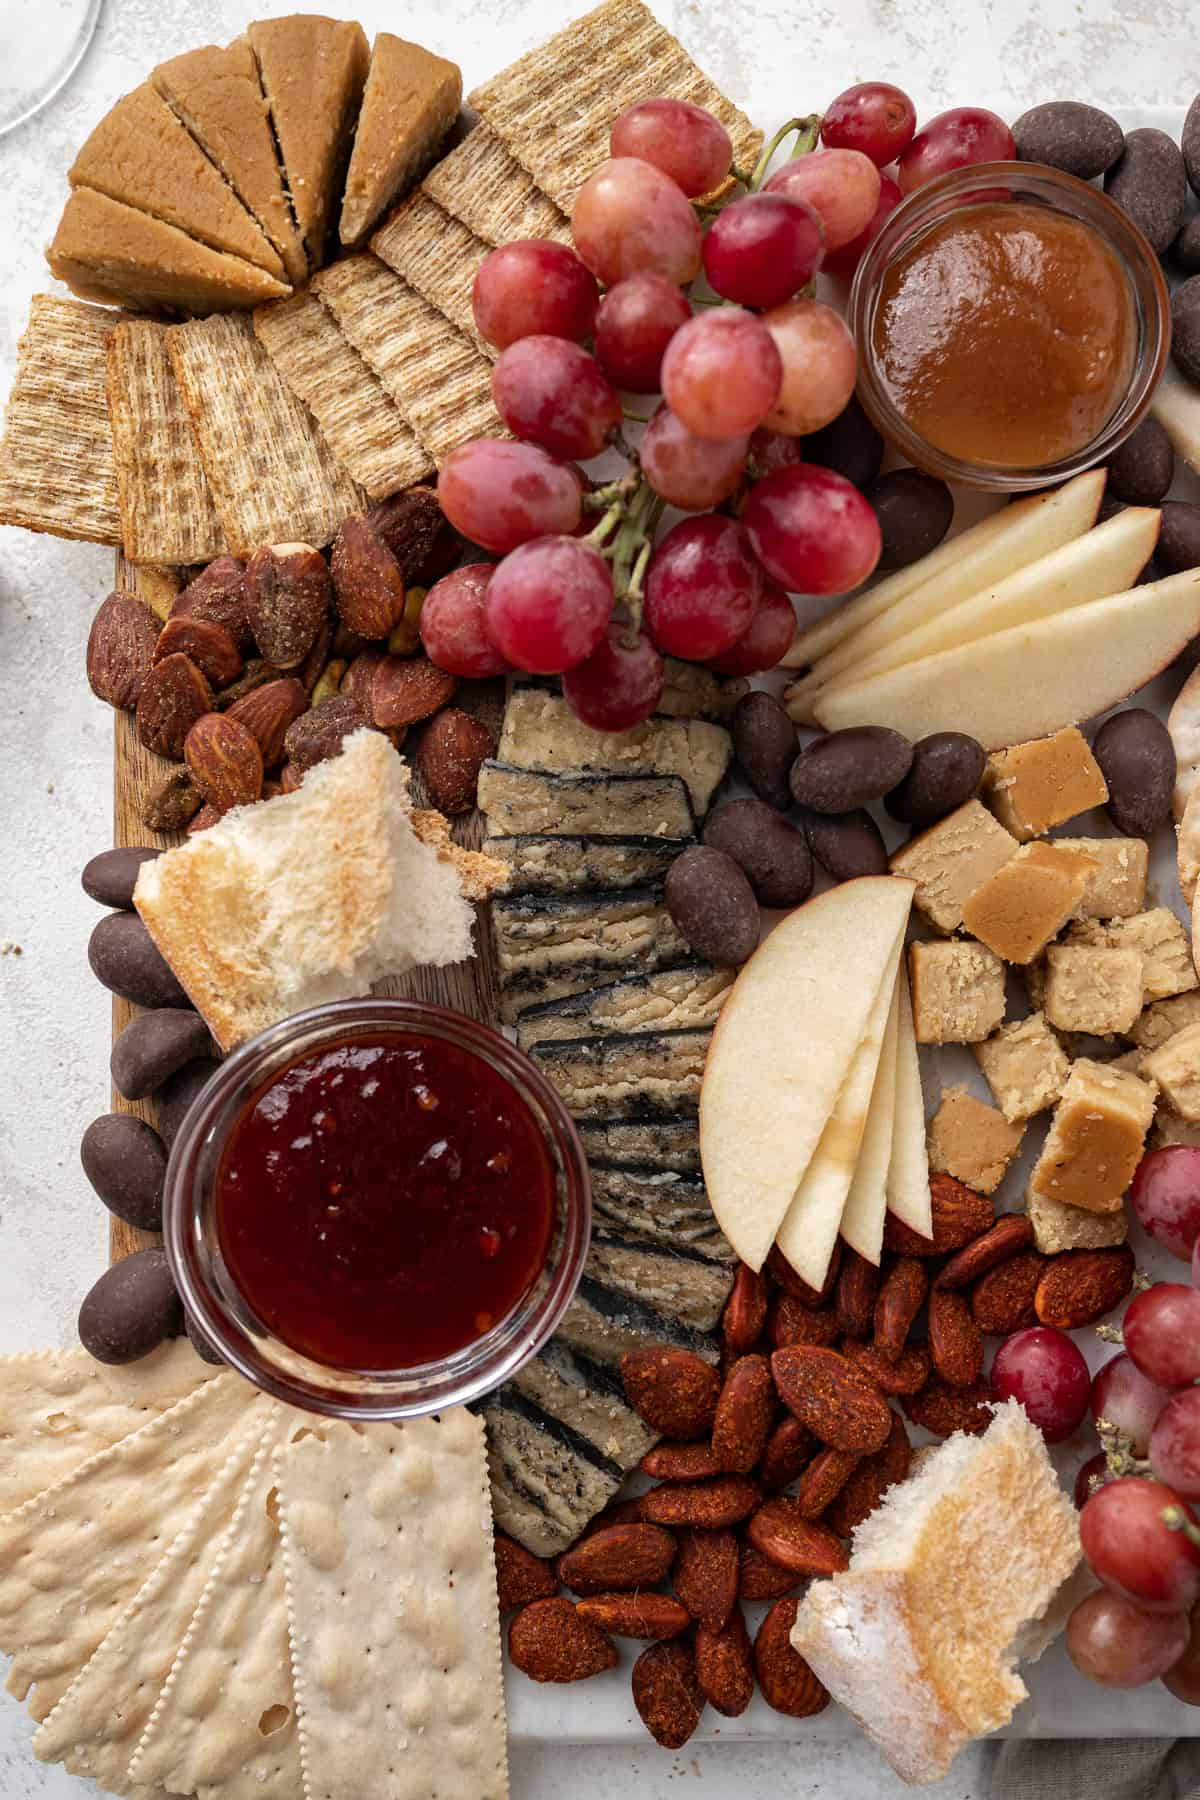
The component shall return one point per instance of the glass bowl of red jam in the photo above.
(1012, 324)
(377, 1209)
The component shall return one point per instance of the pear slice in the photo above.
(1176, 406)
(866, 1203)
(908, 1172)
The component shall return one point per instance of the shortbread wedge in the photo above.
(409, 104)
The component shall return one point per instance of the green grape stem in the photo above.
(1118, 1450)
(808, 135)
(1175, 1519)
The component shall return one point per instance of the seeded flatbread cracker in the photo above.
(96, 1726)
(362, 424)
(398, 1686)
(438, 380)
(57, 471)
(59, 1407)
(481, 183)
(224, 1726)
(167, 511)
(274, 478)
(74, 1556)
(554, 107)
(439, 256)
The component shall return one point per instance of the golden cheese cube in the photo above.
(1169, 1129)
(950, 860)
(1025, 1066)
(1163, 1018)
(1175, 1068)
(1167, 966)
(1093, 989)
(957, 992)
(1044, 782)
(1116, 888)
(972, 1141)
(1096, 1137)
(1057, 1226)
(1023, 905)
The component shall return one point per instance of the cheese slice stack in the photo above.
(812, 1121)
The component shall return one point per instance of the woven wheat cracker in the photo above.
(96, 1725)
(273, 476)
(439, 256)
(555, 106)
(76, 1554)
(167, 511)
(398, 1685)
(363, 425)
(57, 470)
(481, 183)
(438, 380)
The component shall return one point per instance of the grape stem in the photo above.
(1118, 1450)
(1175, 1519)
(1109, 1334)
(808, 135)
(600, 533)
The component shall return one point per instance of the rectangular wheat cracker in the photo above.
(167, 511)
(91, 1532)
(363, 425)
(554, 106)
(438, 380)
(439, 256)
(57, 470)
(273, 476)
(481, 183)
(398, 1684)
(96, 1725)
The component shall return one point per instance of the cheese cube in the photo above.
(971, 1141)
(1163, 1018)
(1044, 782)
(1092, 989)
(950, 860)
(1096, 1137)
(1169, 1128)
(1116, 888)
(957, 992)
(1025, 1066)
(1167, 967)
(1023, 905)
(1175, 1067)
(1057, 1226)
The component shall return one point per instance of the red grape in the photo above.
(1130, 1549)
(721, 373)
(687, 471)
(1175, 1443)
(702, 588)
(1095, 1466)
(955, 140)
(763, 249)
(549, 604)
(1183, 1679)
(1196, 1264)
(637, 320)
(841, 187)
(533, 286)
(619, 684)
(686, 142)
(872, 116)
(553, 393)
(453, 624)
(500, 494)
(811, 530)
(1166, 1198)
(630, 216)
(1044, 1371)
(1162, 1333)
(769, 638)
(820, 366)
(843, 262)
(771, 450)
(1112, 1641)
(1123, 1395)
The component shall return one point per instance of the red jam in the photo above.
(384, 1201)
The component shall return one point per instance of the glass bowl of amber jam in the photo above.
(377, 1209)
(1012, 324)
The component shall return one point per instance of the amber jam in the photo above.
(1006, 333)
(384, 1201)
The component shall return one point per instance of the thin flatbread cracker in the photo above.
(59, 1407)
(57, 470)
(439, 256)
(554, 107)
(392, 1612)
(274, 478)
(167, 511)
(363, 425)
(224, 1726)
(74, 1556)
(482, 184)
(438, 380)
(96, 1726)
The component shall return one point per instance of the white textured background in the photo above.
(775, 58)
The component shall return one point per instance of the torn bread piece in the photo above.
(215, 91)
(439, 256)
(410, 101)
(310, 897)
(481, 183)
(273, 476)
(362, 424)
(479, 874)
(167, 511)
(918, 1640)
(398, 1682)
(57, 469)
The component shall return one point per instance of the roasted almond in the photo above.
(1004, 1300)
(224, 761)
(780, 1531)
(745, 1315)
(708, 1505)
(268, 711)
(901, 1297)
(745, 1411)
(174, 695)
(317, 660)
(1079, 1286)
(218, 594)
(319, 733)
(207, 817)
(406, 689)
(454, 747)
(120, 650)
(870, 1481)
(907, 1375)
(675, 1391)
(520, 1575)
(959, 1215)
(790, 1321)
(705, 1575)
(621, 1556)
(832, 1397)
(943, 1409)
(680, 1462)
(786, 1277)
(288, 593)
(209, 645)
(175, 801)
(955, 1340)
(667, 1694)
(1007, 1237)
(823, 1480)
(548, 1641)
(855, 1295)
(654, 1616)
(786, 1454)
(367, 579)
(415, 530)
(761, 1579)
(725, 1665)
(788, 1684)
